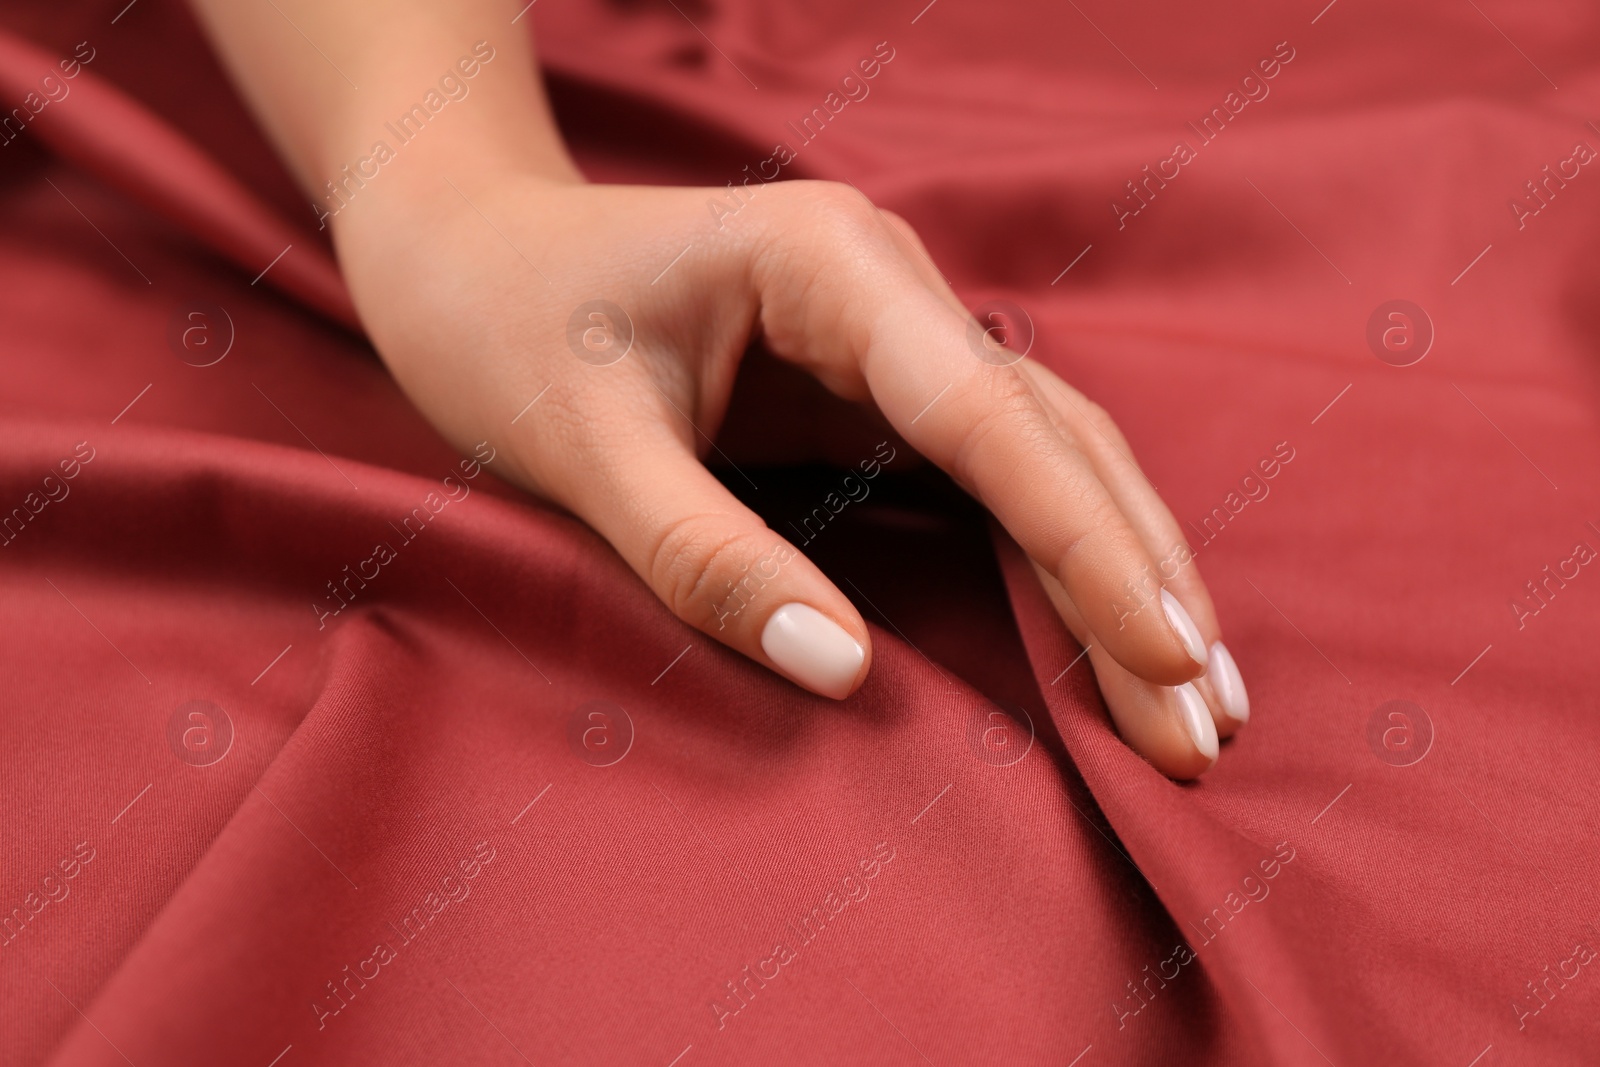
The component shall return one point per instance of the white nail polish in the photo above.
(1197, 718)
(812, 649)
(1227, 683)
(1184, 627)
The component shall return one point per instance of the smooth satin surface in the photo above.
(420, 844)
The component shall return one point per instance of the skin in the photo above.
(468, 252)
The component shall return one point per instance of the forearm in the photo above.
(351, 89)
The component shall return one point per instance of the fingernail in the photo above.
(1184, 627)
(812, 649)
(1229, 687)
(1197, 717)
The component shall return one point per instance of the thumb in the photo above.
(720, 569)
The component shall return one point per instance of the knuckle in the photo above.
(1095, 535)
(1102, 421)
(1009, 410)
(1098, 416)
(1097, 421)
(821, 262)
(898, 222)
(838, 211)
(696, 562)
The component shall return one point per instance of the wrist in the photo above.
(478, 120)
(408, 193)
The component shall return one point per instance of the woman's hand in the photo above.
(491, 277)
(622, 313)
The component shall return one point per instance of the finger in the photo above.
(1168, 725)
(720, 569)
(912, 243)
(991, 432)
(838, 289)
(1099, 438)
(1103, 442)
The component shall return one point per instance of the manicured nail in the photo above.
(1184, 627)
(813, 649)
(1197, 717)
(1229, 687)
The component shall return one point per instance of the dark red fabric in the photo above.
(1312, 900)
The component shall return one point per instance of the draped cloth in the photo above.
(1331, 271)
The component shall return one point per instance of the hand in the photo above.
(468, 281)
